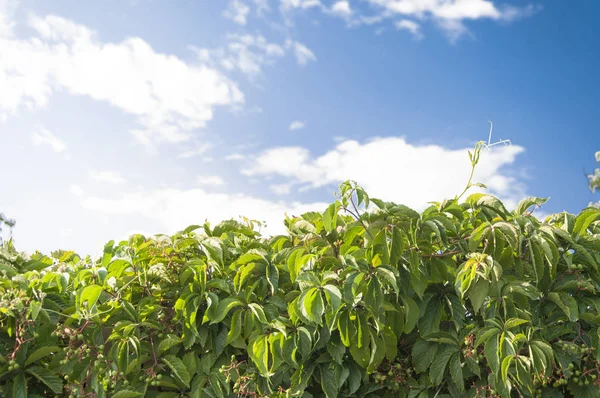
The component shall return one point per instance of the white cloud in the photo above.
(210, 180)
(246, 53)
(112, 177)
(198, 150)
(44, 137)
(411, 26)
(237, 11)
(262, 6)
(168, 97)
(392, 169)
(281, 189)
(303, 4)
(302, 53)
(341, 8)
(297, 125)
(175, 209)
(235, 156)
(450, 14)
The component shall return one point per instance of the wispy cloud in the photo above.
(237, 11)
(44, 136)
(411, 26)
(303, 54)
(297, 125)
(210, 180)
(198, 150)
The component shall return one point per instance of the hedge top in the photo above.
(463, 300)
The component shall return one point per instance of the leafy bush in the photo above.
(462, 300)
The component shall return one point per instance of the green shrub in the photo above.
(462, 300)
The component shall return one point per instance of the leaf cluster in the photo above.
(366, 299)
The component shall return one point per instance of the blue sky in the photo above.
(147, 116)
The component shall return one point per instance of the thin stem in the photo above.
(468, 183)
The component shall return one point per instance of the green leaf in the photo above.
(46, 376)
(235, 328)
(527, 203)
(127, 394)
(258, 350)
(567, 304)
(478, 293)
(438, 367)
(411, 313)
(329, 382)
(311, 305)
(506, 362)
(258, 312)
(90, 295)
(19, 386)
(273, 277)
(330, 217)
(178, 368)
(492, 354)
(397, 247)
(334, 296)
(224, 307)
(168, 343)
(514, 322)
(430, 321)
(423, 353)
(389, 276)
(39, 354)
(584, 219)
(456, 372)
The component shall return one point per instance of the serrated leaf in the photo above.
(224, 307)
(456, 372)
(258, 350)
(39, 354)
(329, 382)
(438, 367)
(423, 353)
(178, 368)
(167, 343)
(46, 376)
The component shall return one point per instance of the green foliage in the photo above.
(367, 299)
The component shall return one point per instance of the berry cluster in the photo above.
(393, 375)
(243, 382)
